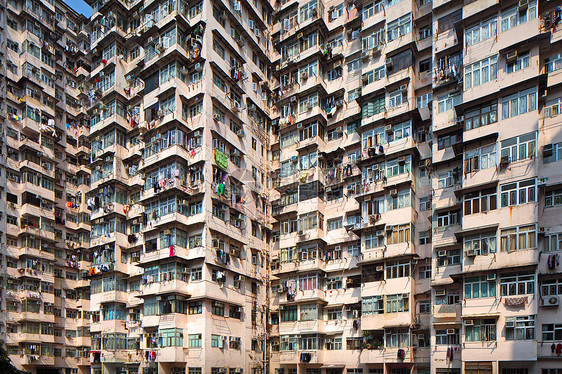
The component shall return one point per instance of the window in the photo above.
(518, 193)
(513, 16)
(399, 27)
(373, 8)
(425, 237)
(553, 63)
(553, 198)
(425, 100)
(195, 341)
(310, 312)
(520, 328)
(425, 65)
(519, 103)
(480, 158)
(397, 98)
(551, 332)
(518, 238)
(553, 242)
(480, 201)
(517, 284)
(556, 154)
(217, 341)
(397, 303)
(196, 274)
(452, 257)
(522, 61)
(289, 342)
(424, 271)
(333, 344)
(195, 307)
(335, 223)
(372, 305)
(447, 337)
(396, 339)
(448, 22)
(481, 72)
(170, 338)
(217, 308)
(397, 270)
(425, 306)
(447, 218)
(481, 116)
(480, 330)
(373, 107)
(553, 108)
(289, 313)
(334, 314)
(520, 147)
(478, 287)
(446, 141)
(425, 32)
(399, 234)
(448, 102)
(483, 30)
(425, 203)
(482, 244)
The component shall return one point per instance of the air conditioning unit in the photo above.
(471, 253)
(388, 128)
(198, 67)
(300, 35)
(380, 268)
(304, 76)
(491, 276)
(469, 322)
(439, 292)
(337, 64)
(150, 40)
(442, 253)
(339, 130)
(510, 324)
(404, 87)
(235, 152)
(299, 125)
(293, 99)
(550, 301)
(542, 181)
(511, 56)
(217, 117)
(450, 331)
(394, 192)
(198, 134)
(365, 54)
(380, 233)
(504, 161)
(240, 133)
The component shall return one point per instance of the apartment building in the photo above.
(417, 222)
(286, 187)
(179, 190)
(45, 175)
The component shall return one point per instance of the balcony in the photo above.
(166, 287)
(172, 354)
